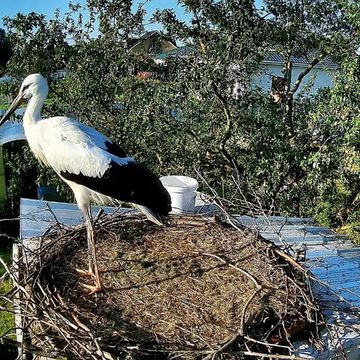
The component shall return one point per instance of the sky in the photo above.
(12, 7)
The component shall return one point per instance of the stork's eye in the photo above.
(26, 87)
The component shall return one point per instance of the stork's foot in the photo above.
(85, 273)
(94, 289)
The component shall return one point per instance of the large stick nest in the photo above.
(197, 288)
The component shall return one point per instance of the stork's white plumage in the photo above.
(94, 167)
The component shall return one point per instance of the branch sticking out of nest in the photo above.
(197, 288)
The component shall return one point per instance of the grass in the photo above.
(6, 318)
(5, 254)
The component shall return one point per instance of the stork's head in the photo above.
(34, 85)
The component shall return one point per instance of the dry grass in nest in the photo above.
(194, 289)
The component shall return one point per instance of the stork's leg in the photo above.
(90, 235)
(93, 268)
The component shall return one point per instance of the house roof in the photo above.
(277, 57)
(272, 56)
(136, 41)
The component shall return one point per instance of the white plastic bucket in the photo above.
(182, 190)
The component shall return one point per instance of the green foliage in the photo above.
(5, 51)
(21, 173)
(38, 45)
(337, 118)
(297, 156)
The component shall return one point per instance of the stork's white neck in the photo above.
(31, 117)
(33, 110)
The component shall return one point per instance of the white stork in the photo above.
(94, 167)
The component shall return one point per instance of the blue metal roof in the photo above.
(334, 266)
(11, 131)
(333, 259)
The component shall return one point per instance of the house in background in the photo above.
(272, 78)
(152, 43)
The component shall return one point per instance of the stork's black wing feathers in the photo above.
(131, 182)
(115, 149)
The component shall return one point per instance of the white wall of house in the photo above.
(319, 77)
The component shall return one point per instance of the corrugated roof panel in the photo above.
(37, 215)
(351, 254)
(11, 131)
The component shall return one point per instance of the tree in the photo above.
(5, 51)
(266, 143)
(38, 45)
(337, 160)
(246, 145)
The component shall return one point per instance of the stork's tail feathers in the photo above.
(150, 214)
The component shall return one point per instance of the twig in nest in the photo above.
(267, 344)
(274, 356)
(242, 322)
(223, 348)
(258, 286)
(192, 220)
(289, 259)
(12, 276)
(48, 207)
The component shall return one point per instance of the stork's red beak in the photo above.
(14, 105)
